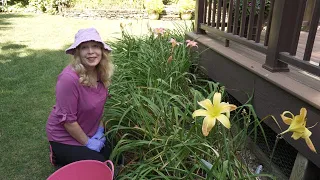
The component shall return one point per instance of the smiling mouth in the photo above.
(91, 58)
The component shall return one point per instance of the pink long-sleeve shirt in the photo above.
(75, 103)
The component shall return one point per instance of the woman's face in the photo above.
(90, 53)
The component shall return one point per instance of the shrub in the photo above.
(154, 6)
(170, 2)
(47, 6)
(14, 8)
(186, 6)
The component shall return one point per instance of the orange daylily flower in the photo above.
(174, 43)
(191, 43)
(159, 31)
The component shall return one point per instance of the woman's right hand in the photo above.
(94, 144)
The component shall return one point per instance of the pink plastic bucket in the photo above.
(84, 170)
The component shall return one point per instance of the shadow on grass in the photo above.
(5, 19)
(12, 46)
(27, 94)
(8, 47)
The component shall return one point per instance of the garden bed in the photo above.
(154, 95)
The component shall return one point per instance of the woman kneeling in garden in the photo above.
(74, 127)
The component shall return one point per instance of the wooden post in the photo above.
(303, 169)
(284, 33)
(299, 167)
(199, 17)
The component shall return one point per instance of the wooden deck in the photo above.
(243, 67)
(315, 56)
(295, 74)
(240, 70)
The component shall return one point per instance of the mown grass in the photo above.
(31, 56)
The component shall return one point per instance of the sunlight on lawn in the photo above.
(56, 32)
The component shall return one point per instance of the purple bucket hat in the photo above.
(84, 35)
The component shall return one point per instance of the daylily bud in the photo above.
(170, 59)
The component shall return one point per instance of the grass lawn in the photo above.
(31, 56)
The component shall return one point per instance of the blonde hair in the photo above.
(105, 69)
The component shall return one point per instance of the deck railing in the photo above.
(242, 21)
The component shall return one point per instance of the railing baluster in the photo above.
(230, 16)
(266, 40)
(224, 15)
(209, 13)
(297, 28)
(260, 20)
(243, 18)
(214, 13)
(205, 12)
(219, 15)
(230, 13)
(236, 18)
(199, 17)
(312, 31)
(251, 19)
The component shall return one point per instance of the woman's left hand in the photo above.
(100, 135)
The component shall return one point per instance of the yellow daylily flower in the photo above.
(214, 111)
(297, 125)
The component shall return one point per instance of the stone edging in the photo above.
(170, 13)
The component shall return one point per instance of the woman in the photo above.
(74, 127)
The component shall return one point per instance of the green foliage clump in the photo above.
(40, 5)
(257, 7)
(14, 2)
(186, 6)
(170, 2)
(154, 93)
(47, 6)
(154, 6)
(19, 7)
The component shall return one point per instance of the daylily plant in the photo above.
(297, 125)
(214, 111)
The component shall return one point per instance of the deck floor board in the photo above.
(299, 75)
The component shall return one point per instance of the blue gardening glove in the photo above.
(100, 135)
(95, 144)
